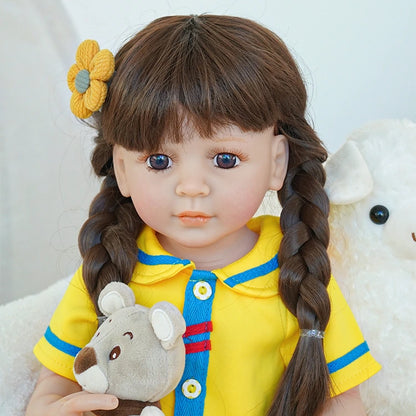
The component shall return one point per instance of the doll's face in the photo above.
(199, 194)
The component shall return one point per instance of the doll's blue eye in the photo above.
(159, 162)
(379, 214)
(226, 160)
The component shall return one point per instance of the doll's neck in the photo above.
(217, 255)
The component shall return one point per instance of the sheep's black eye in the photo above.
(115, 352)
(379, 214)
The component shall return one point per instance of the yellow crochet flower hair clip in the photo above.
(88, 76)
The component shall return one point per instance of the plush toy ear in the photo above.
(348, 177)
(167, 322)
(114, 296)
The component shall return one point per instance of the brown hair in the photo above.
(214, 71)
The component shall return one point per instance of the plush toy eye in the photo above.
(115, 352)
(129, 334)
(379, 214)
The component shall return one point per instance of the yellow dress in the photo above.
(240, 336)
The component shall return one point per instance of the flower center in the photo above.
(82, 81)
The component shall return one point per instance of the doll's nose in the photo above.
(192, 184)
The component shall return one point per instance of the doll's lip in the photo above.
(194, 218)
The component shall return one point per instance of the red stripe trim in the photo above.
(198, 329)
(198, 347)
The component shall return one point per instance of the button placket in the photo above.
(191, 391)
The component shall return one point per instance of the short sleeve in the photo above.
(70, 329)
(347, 353)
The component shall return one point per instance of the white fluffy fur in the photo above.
(22, 324)
(375, 265)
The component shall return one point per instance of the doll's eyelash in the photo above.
(237, 152)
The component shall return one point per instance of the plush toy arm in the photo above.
(167, 322)
(151, 411)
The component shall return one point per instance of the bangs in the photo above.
(205, 72)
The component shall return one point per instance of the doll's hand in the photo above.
(57, 396)
(81, 403)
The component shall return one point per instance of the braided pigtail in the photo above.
(304, 272)
(107, 240)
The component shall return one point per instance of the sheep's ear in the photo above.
(114, 296)
(348, 178)
(167, 322)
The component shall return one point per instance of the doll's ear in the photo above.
(280, 159)
(120, 170)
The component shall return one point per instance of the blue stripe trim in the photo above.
(253, 273)
(60, 345)
(151, 260)
(195, 311)
(348, 358)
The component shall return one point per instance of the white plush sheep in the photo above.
(372, 188)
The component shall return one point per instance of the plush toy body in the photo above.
(371, 183)
(137, 354)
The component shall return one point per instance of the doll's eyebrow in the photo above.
(130, 334)
(227, 139)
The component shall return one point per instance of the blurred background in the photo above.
(358, 60)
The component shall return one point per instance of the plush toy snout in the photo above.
(88, 373)
(85, 360)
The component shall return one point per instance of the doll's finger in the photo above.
(84, 402)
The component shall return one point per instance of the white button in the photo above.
(191, 388)
(202, 290)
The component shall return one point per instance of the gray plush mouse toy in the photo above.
(137, 354)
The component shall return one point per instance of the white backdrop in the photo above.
(358, 59)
